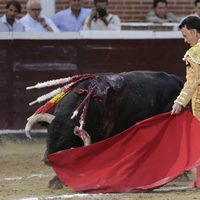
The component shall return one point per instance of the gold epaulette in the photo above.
(193, 53)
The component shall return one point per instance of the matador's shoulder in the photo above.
(193, 54)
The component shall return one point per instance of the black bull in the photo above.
(117, 102)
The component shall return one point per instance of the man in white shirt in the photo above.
(72, 19)
(100, 19)
(34, 22)
(197, 8)
(160, 13)
(196, 11)
(8, 22)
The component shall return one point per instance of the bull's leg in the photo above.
(45, 159)
(55, 183)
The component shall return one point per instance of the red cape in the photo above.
(145, 156)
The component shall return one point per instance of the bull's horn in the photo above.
(83, 135)
(45, 117)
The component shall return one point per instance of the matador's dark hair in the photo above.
(191, 22)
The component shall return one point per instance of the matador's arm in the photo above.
(192, 81)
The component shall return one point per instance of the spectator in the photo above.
(100, 19)
(34, 22)
(196, 11)
(159, 14)
(197, 8)
(72, 19)
(8, 22)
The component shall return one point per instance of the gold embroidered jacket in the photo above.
(191, 89)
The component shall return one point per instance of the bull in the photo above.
(110, 104)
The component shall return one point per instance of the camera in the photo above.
(102, 12)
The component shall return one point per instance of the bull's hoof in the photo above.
(55, 183)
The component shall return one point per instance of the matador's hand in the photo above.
(176, 109)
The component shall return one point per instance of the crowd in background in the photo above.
(76, 17)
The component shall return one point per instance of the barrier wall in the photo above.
(26, 60)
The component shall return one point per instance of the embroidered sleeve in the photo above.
(192, 81)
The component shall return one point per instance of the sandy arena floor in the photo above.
(24, 176)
